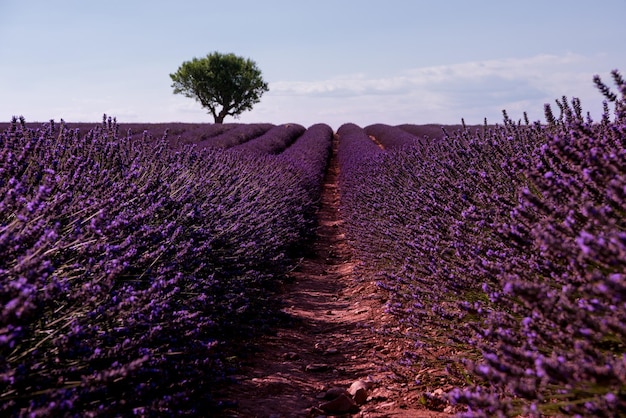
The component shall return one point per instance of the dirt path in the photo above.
(334, 339)
(377, 142)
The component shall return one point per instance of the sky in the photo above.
(331, 61)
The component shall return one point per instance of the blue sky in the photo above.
(333, 61)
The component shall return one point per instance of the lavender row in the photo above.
(431, 130)
(411, 197)
(178, 134)
(310, 155)
(273, 141)
(510, 238)
(391, 137)
(129, 271)
(240, 134)
(355, 153)
(355, 147)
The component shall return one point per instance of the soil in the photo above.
(339, 333)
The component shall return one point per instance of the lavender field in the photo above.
(137, 260)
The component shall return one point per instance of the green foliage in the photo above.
(225, 84)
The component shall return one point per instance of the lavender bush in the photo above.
(129, 271)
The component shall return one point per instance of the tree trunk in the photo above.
(219, 118)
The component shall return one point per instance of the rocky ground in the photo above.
(338, 355)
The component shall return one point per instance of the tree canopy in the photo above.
(225, 84)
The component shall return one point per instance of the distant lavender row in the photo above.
(511, 239)
(178, 134)
(240, 134)
(273, 141)
(391, 137)
(432, 131)
(355, 147)
(129, 271)
(310, 155)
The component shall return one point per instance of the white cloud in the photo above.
(539, 68)
(442, 94)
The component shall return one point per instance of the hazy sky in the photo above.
(333, 61)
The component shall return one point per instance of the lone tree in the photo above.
(223, 83)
